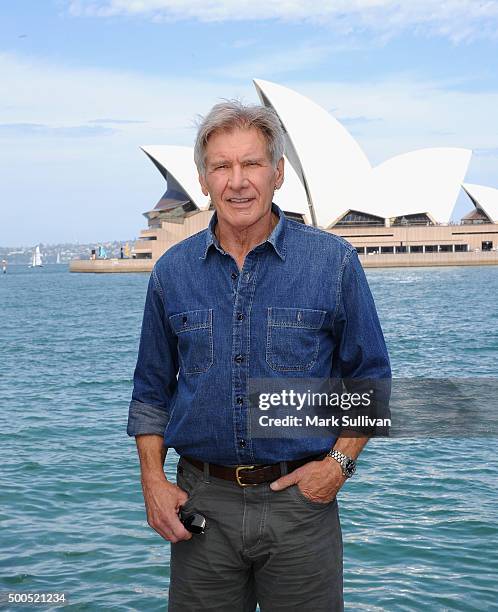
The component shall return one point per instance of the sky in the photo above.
(85, 83)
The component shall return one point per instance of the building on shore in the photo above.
(395, 214)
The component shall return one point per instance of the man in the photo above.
(254, 296)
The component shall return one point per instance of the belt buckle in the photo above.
(238, 475)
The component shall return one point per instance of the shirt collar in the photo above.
(276, 238)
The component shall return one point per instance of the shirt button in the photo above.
(242, 443)
(240, 400)
(240, 316)
(234, 275)
(239, 359)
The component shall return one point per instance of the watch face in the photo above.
(350, 468)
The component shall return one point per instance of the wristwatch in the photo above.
(347, 464)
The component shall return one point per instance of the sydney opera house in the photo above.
(395, 214)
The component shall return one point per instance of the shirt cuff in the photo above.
(146, 419)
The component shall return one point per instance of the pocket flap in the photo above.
(296, 317)
(191, 319)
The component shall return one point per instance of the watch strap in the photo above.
(348, 465)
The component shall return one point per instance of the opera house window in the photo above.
(416, 219)
(356, 218)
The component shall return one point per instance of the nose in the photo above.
(237, 179)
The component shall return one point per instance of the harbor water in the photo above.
(419, 520)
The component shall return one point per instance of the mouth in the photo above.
(240, 201)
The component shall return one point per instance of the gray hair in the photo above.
(232, 114)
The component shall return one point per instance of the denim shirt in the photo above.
(300, 307)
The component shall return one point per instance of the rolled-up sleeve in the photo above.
(155, 377)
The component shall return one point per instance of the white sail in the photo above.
(38, 258)
(58, 257)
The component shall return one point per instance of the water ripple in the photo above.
(419, 520)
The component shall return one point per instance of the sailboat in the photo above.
(36, 261)
(58, 257)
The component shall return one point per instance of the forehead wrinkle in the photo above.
(234, 148)
(219, 160)
(243, 159)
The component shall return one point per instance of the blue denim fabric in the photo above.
(300, 307)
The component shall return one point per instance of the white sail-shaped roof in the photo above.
(484, 197)
(323, 153)
(338, 177)
(423, 181)
(177, 166)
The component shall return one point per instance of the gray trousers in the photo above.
(277, 549)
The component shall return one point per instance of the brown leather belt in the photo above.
(247, 475)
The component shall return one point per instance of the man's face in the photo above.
(240, 178)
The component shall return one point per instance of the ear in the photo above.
(203, 183)
(279, 173)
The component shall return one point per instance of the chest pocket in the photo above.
(194, 329)
(293, 340)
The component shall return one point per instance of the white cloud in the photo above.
(9, 130)
(39, 92)
(491, 152)
(454, 19)
(58, 185)
(272, 63)
(116, 121)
